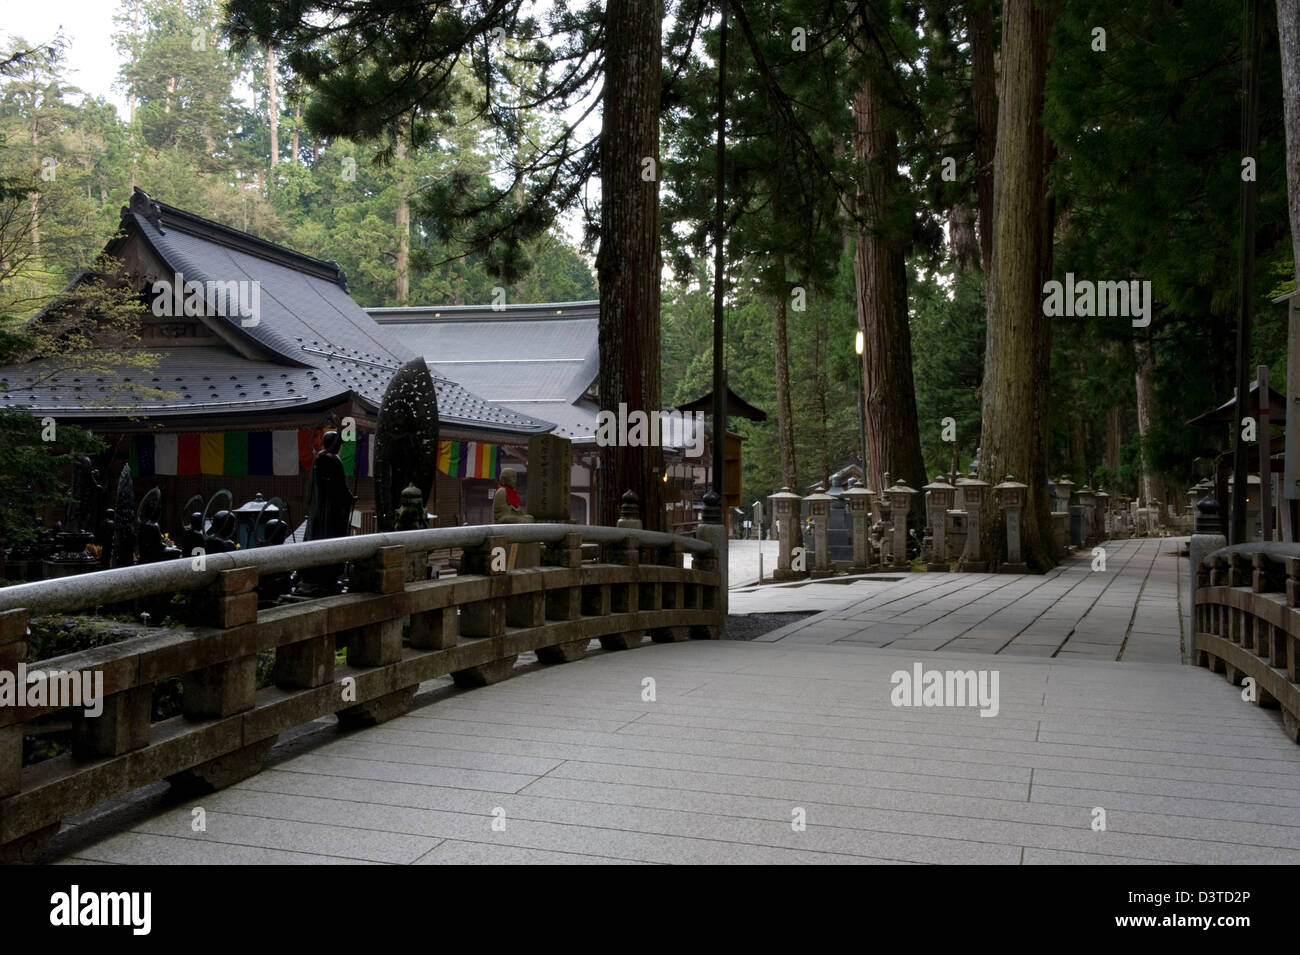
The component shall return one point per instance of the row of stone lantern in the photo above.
(884, 544)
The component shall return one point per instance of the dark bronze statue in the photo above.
(79, 515)
(192, 536)
(220, 536)
(406, 441)
(329, 513)
(104, 538)
(153, 547)
(124, 521)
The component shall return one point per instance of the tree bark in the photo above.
(880, 275)
(402, 222)
(1288, 28)
(784, 414)
(628, 262)
(1145, 369)
(984, 103)
(1016, 428)
(297, 125)
(966, 254)
(272, 106)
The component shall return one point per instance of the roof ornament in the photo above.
(143, 205)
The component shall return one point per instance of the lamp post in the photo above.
(858, 344)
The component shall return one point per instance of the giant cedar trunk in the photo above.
(784, 412)
(880, 274)
(1288, 28)
(272, 108)
(402, 224)
(628, 264)
(1143, 377)
(1016, 433)
(984, 103)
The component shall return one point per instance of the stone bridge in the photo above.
(796, 747)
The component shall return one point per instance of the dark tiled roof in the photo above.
(536, 359)
(522, 353)
(215, 379)
(318, 343)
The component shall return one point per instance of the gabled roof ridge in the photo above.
(163, 216)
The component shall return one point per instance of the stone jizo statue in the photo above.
(411, 515)
(507, 505)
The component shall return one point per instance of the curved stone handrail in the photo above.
(399, 630)
(1246, 622)
(1276, 551)
(128, 583)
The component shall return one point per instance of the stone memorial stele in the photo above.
(550, 466)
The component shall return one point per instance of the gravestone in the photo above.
(550, 464)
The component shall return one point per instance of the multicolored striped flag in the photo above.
(237, 453)
(469, 459)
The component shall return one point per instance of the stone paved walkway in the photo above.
(742, 740)
(1130, 611)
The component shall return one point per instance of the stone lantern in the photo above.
(938, 499)
(858, 500)
(786, 514)
(900, 502)
(1102, 522)
(1064, 489)
(1087, 502)
(970, 494)
(1011, 497)
(819, 512)
(1153, 517)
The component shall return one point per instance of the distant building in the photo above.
(261, 349)
(541, 360)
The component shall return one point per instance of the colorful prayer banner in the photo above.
(238, 453)
(469, 459)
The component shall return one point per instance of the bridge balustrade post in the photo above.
(1204, 541)
(1237, 574)
(714, 599)
(1292, 565)
(485, 619)
(13, 651)
(378, 642)
(622, 597)
(229, 687)
(565, 602)
(1291, 654)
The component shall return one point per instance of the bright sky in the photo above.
(93, 61)
(87, 25)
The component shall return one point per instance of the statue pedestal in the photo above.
(69, 567)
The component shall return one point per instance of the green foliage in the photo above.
(32, 470)
(948, 345)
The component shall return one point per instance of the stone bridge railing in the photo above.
(1246, 622)
(398, 632)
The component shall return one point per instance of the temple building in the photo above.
(260, 350)
(544, 361)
